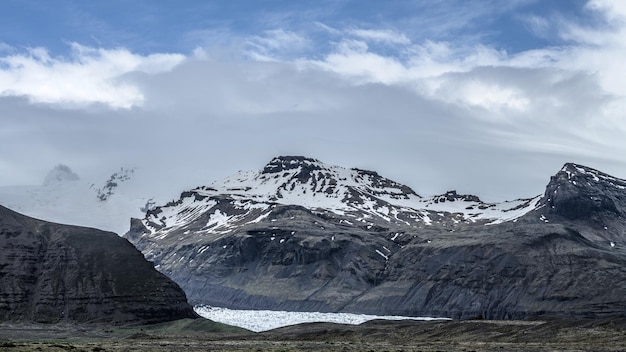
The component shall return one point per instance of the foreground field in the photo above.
(204, 335)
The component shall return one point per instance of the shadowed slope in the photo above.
(54, 273)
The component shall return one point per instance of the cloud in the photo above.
(89, 76)
(613, 10)
(539, 26)
(434, 113)
(276, 42)
(353, 59)
(4, 47)
(382, 35)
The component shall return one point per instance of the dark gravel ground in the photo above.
(202, 335)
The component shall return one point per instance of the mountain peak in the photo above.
(353, 195)
(293, 160)
(286, 163)
(581, 192)
(577, 169)
(580, 175)
(309, 182)
(60, 174)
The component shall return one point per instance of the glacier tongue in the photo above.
(264, 320)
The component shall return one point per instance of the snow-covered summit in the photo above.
(312, 184)
(581, 175)
(358, 196)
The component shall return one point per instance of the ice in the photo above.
(76, 202)
(263, 320)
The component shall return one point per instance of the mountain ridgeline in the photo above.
(52, 273)
(303, 235)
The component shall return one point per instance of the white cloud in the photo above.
(492, 97)
(381, 35)
(613, 10)
(89, 76)
(275, 42)
(595, 49)
(434, 114)
(4, 47)
(427, 67)
(328, 28)
(352, 59)
(540, 26)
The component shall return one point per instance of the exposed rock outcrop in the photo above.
(578, 192)
(51, 273)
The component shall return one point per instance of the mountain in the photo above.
(105, 203)
(303, 235)
(60, 174)
(362, 196)
(591, 200)
(54, 273)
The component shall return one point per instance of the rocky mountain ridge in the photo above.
(303, 235)
(52, 273)
(362, 195)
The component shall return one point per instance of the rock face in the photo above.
(302, 235)
(577, 192)
(51, 273)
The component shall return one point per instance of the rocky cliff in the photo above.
(51, 273)
(302, 235)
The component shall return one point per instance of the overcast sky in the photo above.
(487, 97)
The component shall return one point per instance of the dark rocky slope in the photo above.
(51, 273)
(564, 256)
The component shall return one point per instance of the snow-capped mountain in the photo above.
(357, 196)
(305, 236)
(302, 235)
(64, 197)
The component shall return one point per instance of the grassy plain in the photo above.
(203, 335)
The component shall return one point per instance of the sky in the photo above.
(485, 97)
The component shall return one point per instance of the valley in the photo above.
(530, 274)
